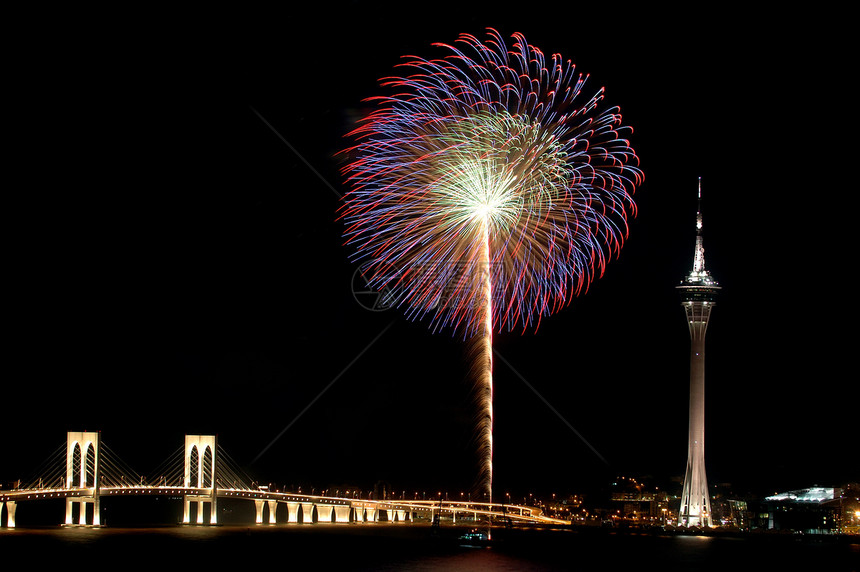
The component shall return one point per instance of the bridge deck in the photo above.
(516, 513)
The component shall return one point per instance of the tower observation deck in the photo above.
(698, 296)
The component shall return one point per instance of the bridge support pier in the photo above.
(341, 513)
(83, 502)
(200, 502)
(10, 513)
(273, 508)
(324, 512)
(307, 513)
(292, 512)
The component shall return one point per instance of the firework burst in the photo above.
(486, 192)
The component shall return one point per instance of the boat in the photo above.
(474, 538)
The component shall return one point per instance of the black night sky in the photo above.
(173, 262)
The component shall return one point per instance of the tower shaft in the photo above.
(695, 500)
(698, 293)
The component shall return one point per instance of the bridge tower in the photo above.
(698, 295)
(200, 462)
(82, 472)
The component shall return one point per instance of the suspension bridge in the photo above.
(84, 470)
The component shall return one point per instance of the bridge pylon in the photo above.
(82, 472)
(200, 462)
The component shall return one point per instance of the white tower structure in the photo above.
(200, 463)
(82, 473)
(698, 295)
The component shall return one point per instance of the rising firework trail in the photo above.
(486, 192)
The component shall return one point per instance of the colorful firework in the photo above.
(484, 195)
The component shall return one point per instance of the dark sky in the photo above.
(174, 264)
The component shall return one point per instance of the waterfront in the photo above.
(420, 547)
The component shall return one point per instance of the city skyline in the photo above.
(204, 282)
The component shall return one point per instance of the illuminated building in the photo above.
(639, 503)
(816, 510)
(698, 294)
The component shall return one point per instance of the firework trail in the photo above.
(485, 195)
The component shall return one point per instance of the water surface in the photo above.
(414, 546)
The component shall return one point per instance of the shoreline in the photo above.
(445, 531)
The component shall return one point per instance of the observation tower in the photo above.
(698, 295)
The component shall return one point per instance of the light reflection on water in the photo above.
(479, 560)
(414, 547)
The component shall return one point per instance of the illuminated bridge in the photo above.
(85, 470)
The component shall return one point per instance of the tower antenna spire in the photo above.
(699, 254)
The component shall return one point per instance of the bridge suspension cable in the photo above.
(230, 475)
(51, 473)
(171, 471)
(113, 471)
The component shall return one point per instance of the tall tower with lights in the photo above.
(698, 295)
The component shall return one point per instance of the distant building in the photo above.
(816, 510)
(645, 507)
(633, 501)
(851, 508)
(735, 513)
(729, 510)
